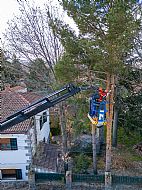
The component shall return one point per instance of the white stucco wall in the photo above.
(19, 159)
(45, 131)
(16, 159)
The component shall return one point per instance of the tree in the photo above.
(106, 35)
(38, 76)
(32, 36)
(11, 71)
(32, 29)
(106, 31)
(131, 96)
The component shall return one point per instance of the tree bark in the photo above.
(110, 86)
(115, 128)
(63, 127)
(94, 143)
(115, 119)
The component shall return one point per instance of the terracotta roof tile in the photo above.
(17, 88)
(31, 97)
(11, 102)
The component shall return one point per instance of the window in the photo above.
(41, 124)
(18, 174)
(8, 144)
(43, 119)
(13, 143)
(11, 174)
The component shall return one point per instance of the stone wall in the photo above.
(14, 185)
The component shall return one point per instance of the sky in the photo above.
(7, 8)
(10, 7)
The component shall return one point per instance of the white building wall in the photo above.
(19, 159)
(45, 131)
(16, 159)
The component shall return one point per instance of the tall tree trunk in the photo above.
(115, 127)
(94, 144)
(115, 120)
(63, 128)
(100, 134)
(110, 86)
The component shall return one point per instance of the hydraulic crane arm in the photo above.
(38, 106)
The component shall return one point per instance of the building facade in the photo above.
(18, 143)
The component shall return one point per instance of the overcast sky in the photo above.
(7, 8)
(10, 7)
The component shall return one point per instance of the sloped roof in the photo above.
(17, 88)
(12, 101)
(31, 97)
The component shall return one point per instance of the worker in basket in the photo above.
(97, 113)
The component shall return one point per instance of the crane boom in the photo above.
(40, 105)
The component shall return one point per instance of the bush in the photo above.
(55, 131)
(81, 164)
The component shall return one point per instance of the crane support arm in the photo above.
(40, 105)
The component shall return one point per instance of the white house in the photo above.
(18, 143)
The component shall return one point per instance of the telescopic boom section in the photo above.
(40, 105)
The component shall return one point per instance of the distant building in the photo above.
(18, 143)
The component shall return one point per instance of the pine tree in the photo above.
(106, 36)
(38, 76)
(11, 71)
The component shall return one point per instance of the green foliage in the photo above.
(55, 131)
(106, 37)
(107, 28)
(65, 70)
(11, 71)
(131, 101)
(82, 163)
(38, 76)
(79, 119)
(130, 139)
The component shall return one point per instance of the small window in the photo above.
(8, 174)
(44, 117)
(13, 143)
(27, 167)
(8, 144)
(11, 173)
(18, 174)
(41, 123)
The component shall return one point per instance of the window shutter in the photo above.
(13, 142)
(18, 174)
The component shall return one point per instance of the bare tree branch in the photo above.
(32, 36)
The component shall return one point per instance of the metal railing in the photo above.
(133, 180)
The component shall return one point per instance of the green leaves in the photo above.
(106, 37)
(38, 77)
(65, 70)
(109, 26)
(11, 71)
(82, 163)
